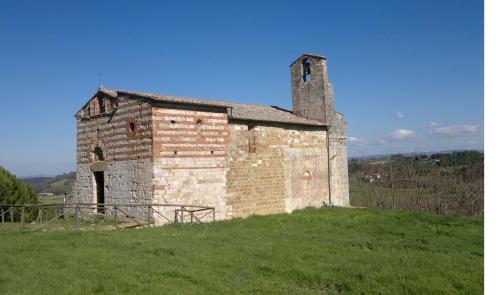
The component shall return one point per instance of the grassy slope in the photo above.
(59, 184)
(311, 251)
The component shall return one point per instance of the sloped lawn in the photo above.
(327, 250)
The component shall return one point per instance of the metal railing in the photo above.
(96, 216)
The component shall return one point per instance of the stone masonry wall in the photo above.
(126, 181)
(338, 162)
(190, 146)
(275, 168)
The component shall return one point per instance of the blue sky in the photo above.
(408, 75)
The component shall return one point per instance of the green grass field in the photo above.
(327, 250)
(55, 199)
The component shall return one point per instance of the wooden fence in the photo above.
(94, 216)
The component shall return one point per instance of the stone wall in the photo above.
(190, 146)
(127, 181)
(274, 168)
(338, 162)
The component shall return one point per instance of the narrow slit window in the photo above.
(131, 128)
(100, 104)
(252, 139)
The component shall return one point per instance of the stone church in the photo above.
(240, 158)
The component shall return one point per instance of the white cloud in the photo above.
(354, 140)
(402, 134)
(380, 141)
(390, 139)
(452, 130)
(400, 115)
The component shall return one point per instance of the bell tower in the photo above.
(312, 98)
(312, 93)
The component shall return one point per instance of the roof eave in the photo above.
(308, 55)
(318, 124)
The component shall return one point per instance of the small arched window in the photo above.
(131, 127)
(306, 69)
(98, 154)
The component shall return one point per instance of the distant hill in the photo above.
(59, 184)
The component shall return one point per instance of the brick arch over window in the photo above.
(97, 151)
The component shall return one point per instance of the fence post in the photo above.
(77, 218)
(182, 215)
(115, 217)
(213, 214)
(11, 214)
(149, 216)
(40, 215)
(22, 218)
(3, 216)
(154, 223)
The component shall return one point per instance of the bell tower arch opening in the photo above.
(306, 69)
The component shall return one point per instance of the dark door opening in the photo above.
(99, 182)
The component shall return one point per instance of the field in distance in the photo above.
(58, 185)
(326, 250)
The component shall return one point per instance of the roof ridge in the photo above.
(190, 97)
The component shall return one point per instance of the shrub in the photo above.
(15, 191)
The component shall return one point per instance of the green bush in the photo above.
(14, 192)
